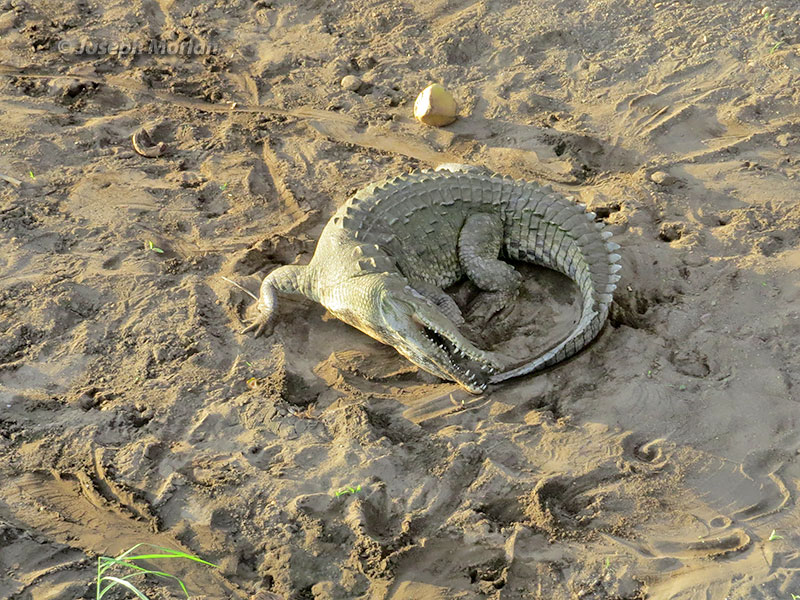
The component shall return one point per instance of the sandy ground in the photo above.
(656, 464)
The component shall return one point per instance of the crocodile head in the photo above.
(394, 313)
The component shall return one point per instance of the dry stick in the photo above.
(233, 283)
(11, 180)
(143, 145)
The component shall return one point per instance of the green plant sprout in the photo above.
(607, 568)
(151, 246)
(223, 186)
(775, 47)
(105, 582)
(774, 536)
(30, 173)
(349, 490)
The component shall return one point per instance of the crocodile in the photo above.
(385, 257)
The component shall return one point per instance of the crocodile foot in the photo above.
(489, 307)
(262, 324)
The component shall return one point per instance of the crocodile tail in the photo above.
(555, 232)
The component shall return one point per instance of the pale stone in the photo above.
(435, 106)
(351, 83)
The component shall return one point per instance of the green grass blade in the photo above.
(104, 563)
(131, 549)
(176, 552)
(172, 554)
(125, 561)
(156, 556)
(122, 582)
(165, 553)
(142, 571)
(97, 593)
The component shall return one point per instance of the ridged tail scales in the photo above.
(550, 230)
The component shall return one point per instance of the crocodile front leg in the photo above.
(294, 280)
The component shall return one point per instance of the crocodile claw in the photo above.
(260, 325)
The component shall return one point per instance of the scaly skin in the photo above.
(384, 258)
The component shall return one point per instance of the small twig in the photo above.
(11, 180)
(248, 292)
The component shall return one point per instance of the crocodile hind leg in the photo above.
(479, 246)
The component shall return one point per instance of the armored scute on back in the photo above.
(385, 257)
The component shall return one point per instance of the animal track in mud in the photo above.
(54, 569)
(489, 576)
(20, 219)
(9, 429)
(604, 208)
(30, 87)
(382, 364)
(15, 343)
(744, 492)
(690, 362)
(770, 229)
(78, 510)
(556, 506)
(113, 263)
(70, 503)
(278, 249)
(711, 547)
(650, 452)
(583, 151)
(630, 308)
(670, 232)
(503, 512)
(376, 547)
